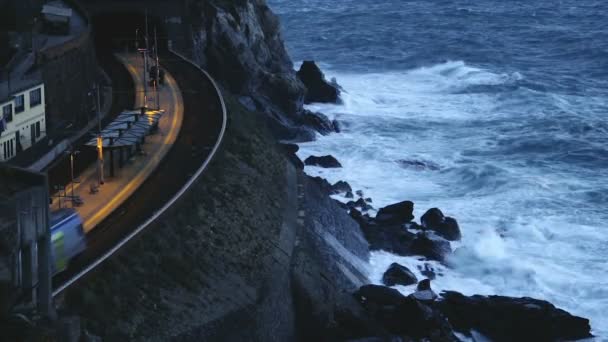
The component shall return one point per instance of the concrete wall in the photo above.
(69, 72)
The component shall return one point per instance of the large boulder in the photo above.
(398, 275)
(323, 161)
(318, 89)
(431, 246)
(397, 213)
(391, 238)
(512, 319)
(341, 187)
(446, 227)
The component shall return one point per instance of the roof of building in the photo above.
(23, 75)
(56, 9)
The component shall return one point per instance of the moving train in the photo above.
(67, 238)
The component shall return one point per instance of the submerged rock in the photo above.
(446, 227)
(427, 271)
(418, 165)
(323, 161)
(318, 89)
(512, 319)
(398, 275)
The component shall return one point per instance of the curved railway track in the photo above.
(201, 134)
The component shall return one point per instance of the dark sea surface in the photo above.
(506, 101)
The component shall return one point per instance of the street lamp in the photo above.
(72, 153)
(100, 180)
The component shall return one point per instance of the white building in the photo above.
(22, 121)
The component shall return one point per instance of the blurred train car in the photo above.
(67, 236)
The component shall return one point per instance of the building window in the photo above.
(9, 149)
(19, 104)
(7, 113)
(38, 129)
(35, 97)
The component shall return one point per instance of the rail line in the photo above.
(183, 165)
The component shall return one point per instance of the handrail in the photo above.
(174, 199)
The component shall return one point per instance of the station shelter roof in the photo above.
(128, 128)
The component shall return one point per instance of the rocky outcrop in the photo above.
(446, 227)
(240, 43)
(319, 122)
(512, 319)
(398, 275)
(388, 231)
(327, 161)
(403, 316)
(388, 315)
(317, 88)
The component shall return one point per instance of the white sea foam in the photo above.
(525, 230)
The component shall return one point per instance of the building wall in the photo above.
(32, 119)
(69, 77)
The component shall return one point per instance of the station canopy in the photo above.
(128, 128)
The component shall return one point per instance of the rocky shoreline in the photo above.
(271, 86)
(384, 314)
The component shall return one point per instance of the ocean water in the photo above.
(506, 102)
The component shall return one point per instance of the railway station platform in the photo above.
(95, 201)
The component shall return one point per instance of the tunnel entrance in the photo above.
(126, 31)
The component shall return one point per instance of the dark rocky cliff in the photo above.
(240, 43)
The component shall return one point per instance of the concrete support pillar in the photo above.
(45, 285)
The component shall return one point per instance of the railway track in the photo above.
(200, 136)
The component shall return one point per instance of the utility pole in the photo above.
(146, 61)
(99, 141)
(72, 153)
(156, 83)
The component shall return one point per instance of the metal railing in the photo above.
(174, 199)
